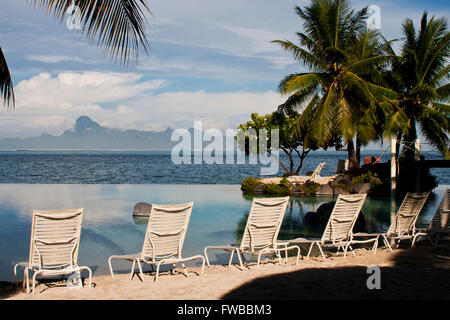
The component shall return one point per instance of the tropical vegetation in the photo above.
(357, 89)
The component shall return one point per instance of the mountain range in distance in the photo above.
(88, 134)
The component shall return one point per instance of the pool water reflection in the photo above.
(109, 228)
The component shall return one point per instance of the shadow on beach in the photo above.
(419, 273)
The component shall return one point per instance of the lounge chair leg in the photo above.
(34, 282)
(280, 260)
(239, 257)
(259, 258)
(110, 267)
(345, 250)
(231, 257)
(90, 274)
(353, 252)
(24, 277)
(309, 251)
(203, 264)
(436, 240)
(206, 257)
(375, 246)
(414, 240)
(15, 275)
(386, 243)
(157, 270)
(321, 251)
(26, 282)
(132, 269)
(298, 254)
(140, 270)
(184, 268)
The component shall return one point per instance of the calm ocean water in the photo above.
(148, 167)
(107, 184)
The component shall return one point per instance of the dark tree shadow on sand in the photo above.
(419, 273)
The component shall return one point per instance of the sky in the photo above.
(210, 61)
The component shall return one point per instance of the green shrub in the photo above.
(282, 189)
(368, 177)
(310, 188)
(249, 184)
(276, 189)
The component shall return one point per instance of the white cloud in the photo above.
(55, 59)
(51, 104)
(70, 89)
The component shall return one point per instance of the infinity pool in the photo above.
(218, 217)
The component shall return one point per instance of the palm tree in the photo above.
(118, 26)
(342, 55)
(420, 75)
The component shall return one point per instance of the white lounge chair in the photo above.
(403, 226)
(339, 229)
(439, 223)
(314, 177)
(55, 238)
(261, 231)
(164, 238)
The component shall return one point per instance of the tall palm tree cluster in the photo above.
(117, 26)
(363, 90)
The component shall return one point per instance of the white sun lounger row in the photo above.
(55, 235)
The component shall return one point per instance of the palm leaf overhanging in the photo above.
(6, 85)
(118, 26)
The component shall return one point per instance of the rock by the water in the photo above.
(324, 189)
(362, 188)
(340, 190)
(142, 209)
(322, 215)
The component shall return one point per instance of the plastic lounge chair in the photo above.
(316, 173)
(403, 226)
(303, 179)
(164, 238)
(261, 232)
(339, 229)
(55, 238)
(439, 223)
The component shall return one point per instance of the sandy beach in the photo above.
(418, 273)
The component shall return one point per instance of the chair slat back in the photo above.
(55, 237)
(166, 230)
(440, 218)
(316, 172)
(264, 223)
(343, 218)
(406, 217)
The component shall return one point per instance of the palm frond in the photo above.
(301, 54)
(6, 84)
(119, 26)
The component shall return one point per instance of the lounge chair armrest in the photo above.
(404, 215)
(342, 220)
(262, 225)
(162, 234)
(56, 242)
